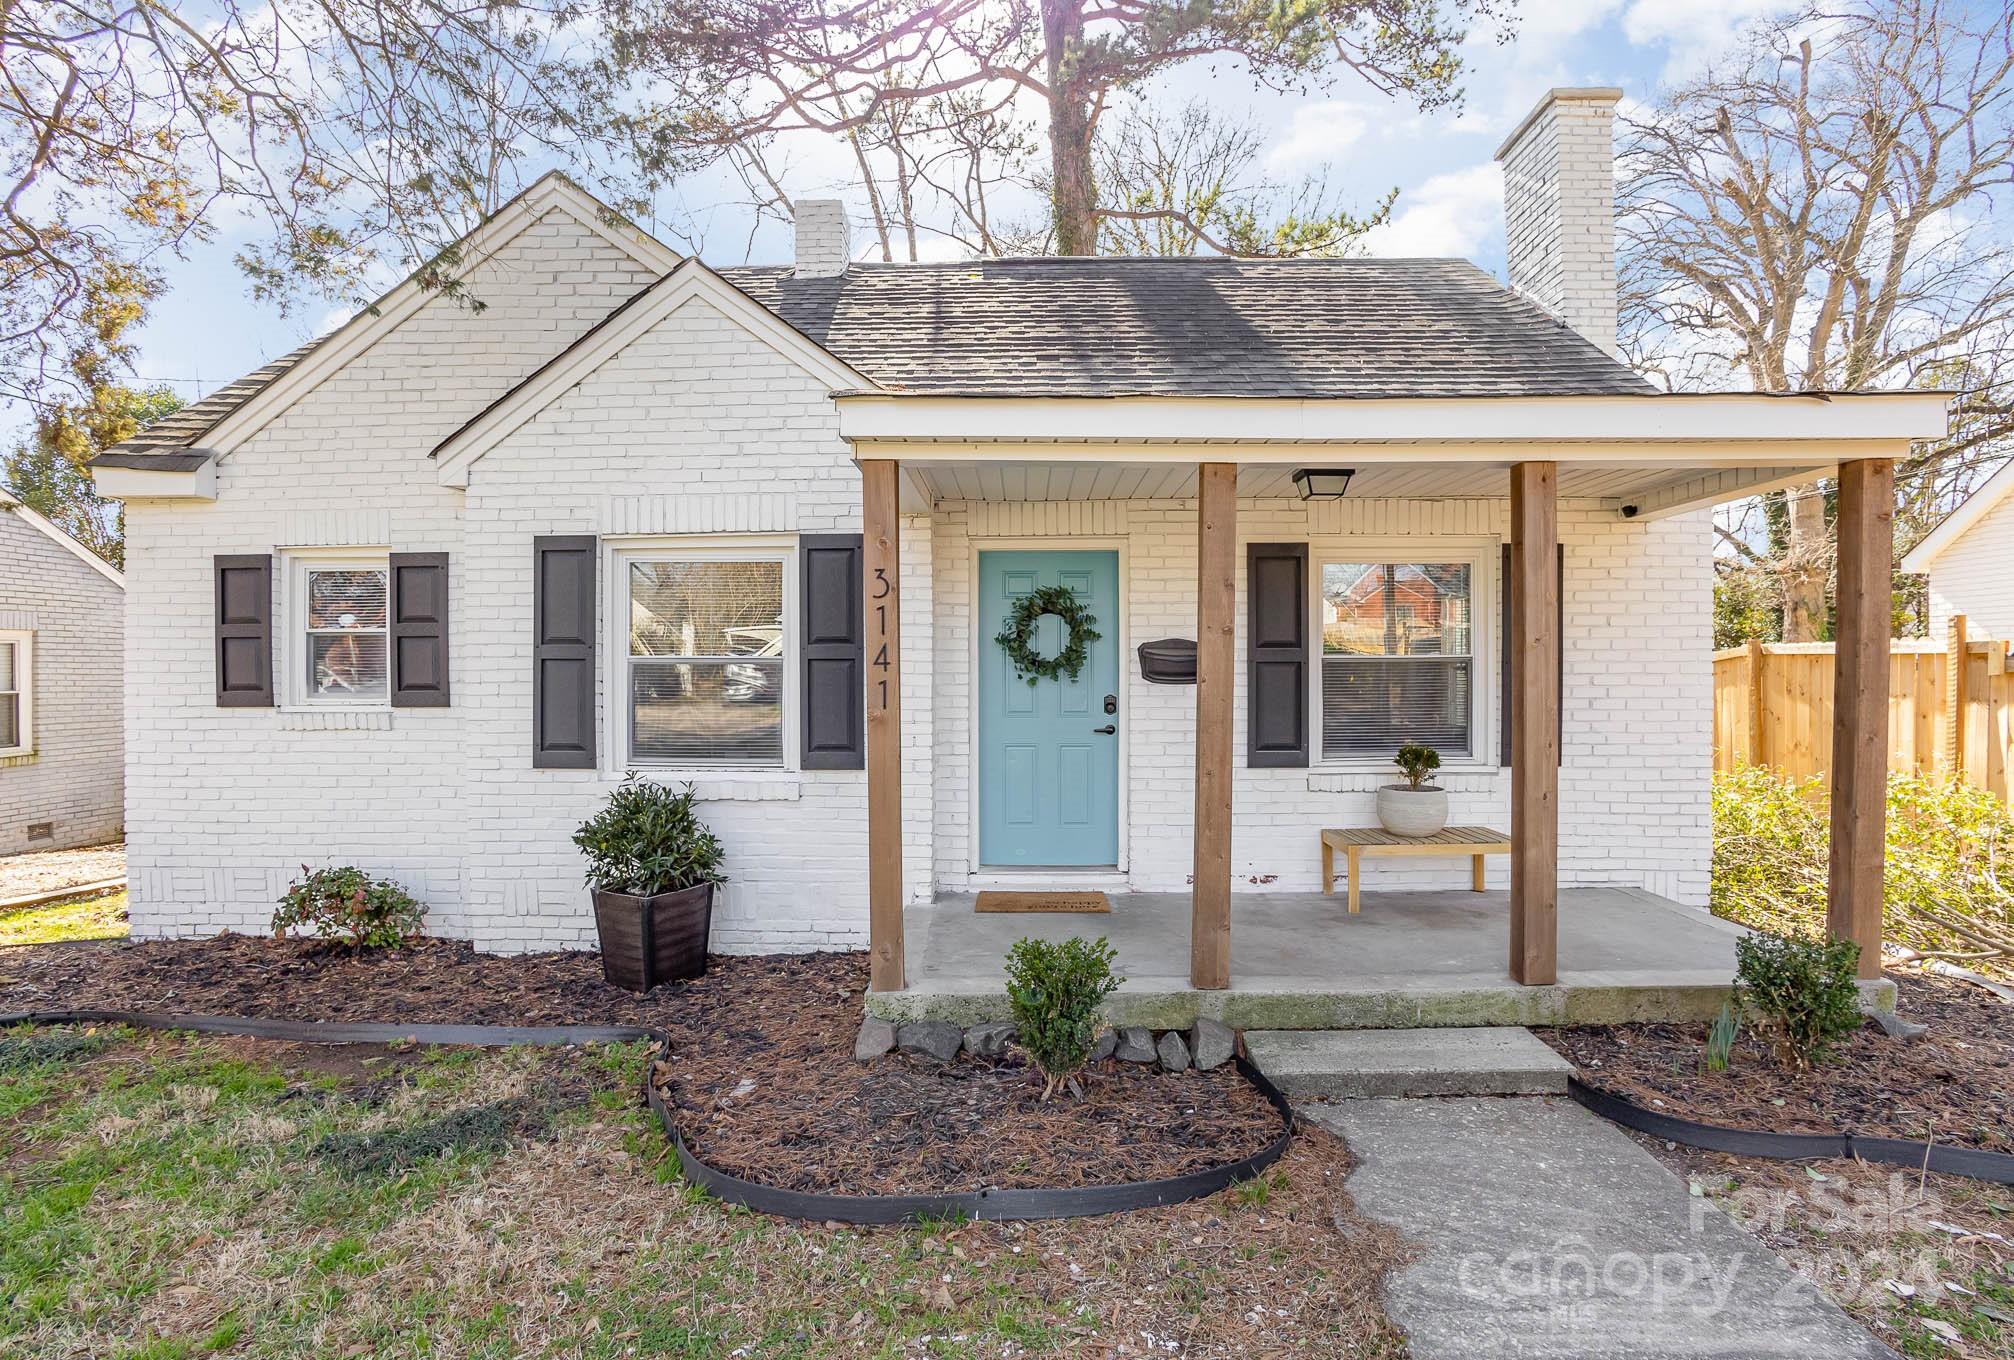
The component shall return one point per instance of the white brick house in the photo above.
(1969, 558)
(62, 615)
(637, 484)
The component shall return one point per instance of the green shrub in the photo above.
(1805, 989)
(1055, 989)
(344, 903)
(1949, 879)
(1417, 763)
(648, 840)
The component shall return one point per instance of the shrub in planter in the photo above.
(1416, 807)
(346, 904)
(652, 866)
(1806, 990)
(1055, 989)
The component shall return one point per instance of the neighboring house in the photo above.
(1969, 558)
(417, 595)
(62, 631)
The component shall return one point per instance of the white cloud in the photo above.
(1450, 214)
(1692, 33)
(1318, 133)
(1545, 30)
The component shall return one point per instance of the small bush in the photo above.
(1418, 764)
(346, 904)
(1805, 989)
(1055, 989)
(648, 840)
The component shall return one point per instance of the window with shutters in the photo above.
(338, 614)
(1402, 651)
(17, 696)
(707, 654)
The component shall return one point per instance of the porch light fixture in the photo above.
(1323, 484)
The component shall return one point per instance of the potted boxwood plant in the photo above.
(1416, 807)
(652, 865)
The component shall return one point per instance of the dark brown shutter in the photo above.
(834, 700)
(563, 617)
(1276, 655)
(244, 631)
(419, 630)
(1559, 640)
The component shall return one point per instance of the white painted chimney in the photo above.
(823, 243)
(1559, 208)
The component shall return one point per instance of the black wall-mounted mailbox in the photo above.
(1168, 661)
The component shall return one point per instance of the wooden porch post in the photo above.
(1216, 636)
(1535, 702)
(881, 557)
(1866, 524)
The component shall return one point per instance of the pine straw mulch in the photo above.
(761, 1074)
(1954, 1085)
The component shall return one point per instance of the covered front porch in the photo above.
(1301, 961)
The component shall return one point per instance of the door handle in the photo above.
(1107, 730)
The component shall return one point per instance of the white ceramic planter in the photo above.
(1405, 811)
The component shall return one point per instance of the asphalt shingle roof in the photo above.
(1104, 327)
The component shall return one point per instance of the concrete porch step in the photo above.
(1354, 1064)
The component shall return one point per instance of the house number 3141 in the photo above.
(883, 588)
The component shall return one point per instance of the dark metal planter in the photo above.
(648, 940)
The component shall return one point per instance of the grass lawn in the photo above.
(90, 918)
(170, 1195)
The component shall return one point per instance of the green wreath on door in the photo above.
(1017, 638)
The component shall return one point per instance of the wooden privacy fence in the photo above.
(1950, 708)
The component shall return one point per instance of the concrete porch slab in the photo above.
(1408, 960)
(1361, 1064)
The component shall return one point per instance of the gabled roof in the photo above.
(10, 504)
(1963, 516)
(613, 333)
(1200, 326)
(236, 410)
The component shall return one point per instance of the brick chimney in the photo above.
(823, 243)
(1559, 209)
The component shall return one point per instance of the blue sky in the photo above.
(206, 331)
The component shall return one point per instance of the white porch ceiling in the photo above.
(1621, 484)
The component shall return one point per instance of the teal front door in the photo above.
(1049, 752)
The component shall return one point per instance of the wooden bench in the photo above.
(1357, 841)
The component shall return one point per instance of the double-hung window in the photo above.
(338, 636)
(17, 681)
(1400, 660)
(705, 675)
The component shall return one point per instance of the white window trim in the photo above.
(24, 679)
(1481, 556)
(617, 554)
(294, 693)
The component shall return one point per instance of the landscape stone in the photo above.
(1107, 1040)
(1211, 1044)
(877, 1036)
(939, 1039)
(1136, 1044)
(1174, 1053)
(989, 1040)
(1894, 1026)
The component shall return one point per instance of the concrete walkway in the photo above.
(1544, 1231)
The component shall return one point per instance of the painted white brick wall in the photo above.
(1975, 577)
(74, 778)
(1638, 694)
(227, 804)
(1559, 213)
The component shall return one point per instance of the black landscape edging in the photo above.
(1081, 1201)
(1791, 1147)
(1059, 1202)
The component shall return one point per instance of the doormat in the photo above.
(1044, 901)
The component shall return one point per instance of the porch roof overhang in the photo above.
(1647, 456)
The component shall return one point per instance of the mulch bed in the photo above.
(761, 1074)
(1955, 1085)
